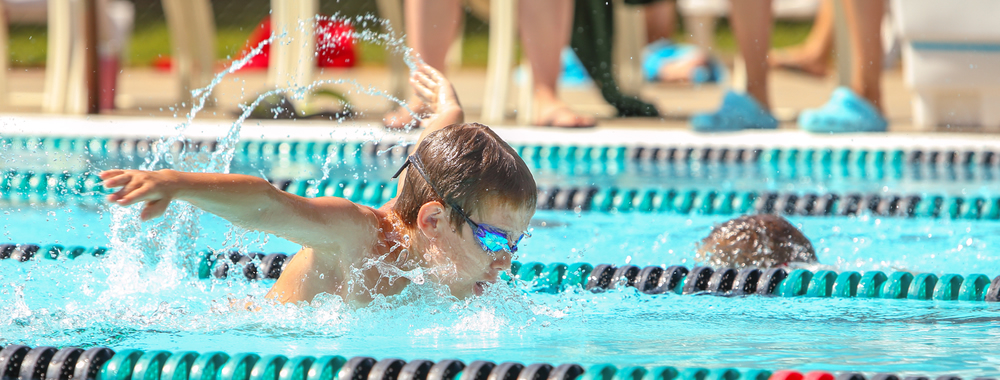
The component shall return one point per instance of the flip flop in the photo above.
(845, 112)
(553, 115)
(738, 112)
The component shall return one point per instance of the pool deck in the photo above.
(148, 93)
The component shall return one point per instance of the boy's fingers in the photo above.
(425, 80)
(110, 173)
(422, 92)
(425, 94)
(143, 193)
(116, 181)
(427, 69)
(154, 209)
(129, 187)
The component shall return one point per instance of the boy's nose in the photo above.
(501, 261)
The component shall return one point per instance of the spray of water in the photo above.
(151, 260)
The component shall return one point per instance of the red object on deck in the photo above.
(785, 375)
(334, 44)
(819, 375)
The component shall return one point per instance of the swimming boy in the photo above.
(464, 199)
(763, 241)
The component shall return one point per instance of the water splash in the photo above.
(168, 243)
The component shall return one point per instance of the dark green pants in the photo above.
(593, 36)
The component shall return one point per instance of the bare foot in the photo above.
(681, 71)
(799, 60)
(400, 118)
(558, 114)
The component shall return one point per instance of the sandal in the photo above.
(845, 112)
(738, 112)
(563, 117)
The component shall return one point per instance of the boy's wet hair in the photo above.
(762, 241)
(473, 168)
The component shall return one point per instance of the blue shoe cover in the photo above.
(738, 112)
(845, 112)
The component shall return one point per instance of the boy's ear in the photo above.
(432, 219)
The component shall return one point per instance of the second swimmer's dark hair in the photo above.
(762, 241)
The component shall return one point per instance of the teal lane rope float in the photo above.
(654, 279)
(320, 151)
(103, 363)
(29, 186)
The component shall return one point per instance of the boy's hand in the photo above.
(157, 189)
(438, 94)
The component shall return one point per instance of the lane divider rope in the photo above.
(103, 363)
(653, 279)
(319, 151)
(30, 187)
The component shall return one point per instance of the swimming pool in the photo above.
(148, 297)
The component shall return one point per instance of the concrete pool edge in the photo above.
(106, 126)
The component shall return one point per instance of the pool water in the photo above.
(81, 302)
(145, 295)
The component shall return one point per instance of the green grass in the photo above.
(152, 40)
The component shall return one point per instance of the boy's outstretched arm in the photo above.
(246, 201)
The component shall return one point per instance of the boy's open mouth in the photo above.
(479, 287)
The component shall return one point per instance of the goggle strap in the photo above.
(401, 168)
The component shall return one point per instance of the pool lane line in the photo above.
(654, 279)
(104, 363)
(30, 187)
(318, 151)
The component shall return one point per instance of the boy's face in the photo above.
(475, 267)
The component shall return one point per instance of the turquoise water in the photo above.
(88, 301)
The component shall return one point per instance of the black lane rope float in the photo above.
(653, 279)
(677, 279)
(103, 363)
(320, 151)
(32, 187)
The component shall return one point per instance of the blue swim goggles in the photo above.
(491, 239)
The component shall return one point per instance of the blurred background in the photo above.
(138, 51)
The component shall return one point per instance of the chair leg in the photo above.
(501, 55)
(58, 56)
(176, 12)
(989, 115)
(526, 96)
(202, 42)
(392, 11)
(4, 41)
(304, 62)
(280, 28)
(925, 117)
(76, 85)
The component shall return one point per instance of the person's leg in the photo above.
(812, 56)
(430, 27)
(751, 20)
(545, 28)
(864, 18)
(661, 19)
(856, 109)
(752, 23)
